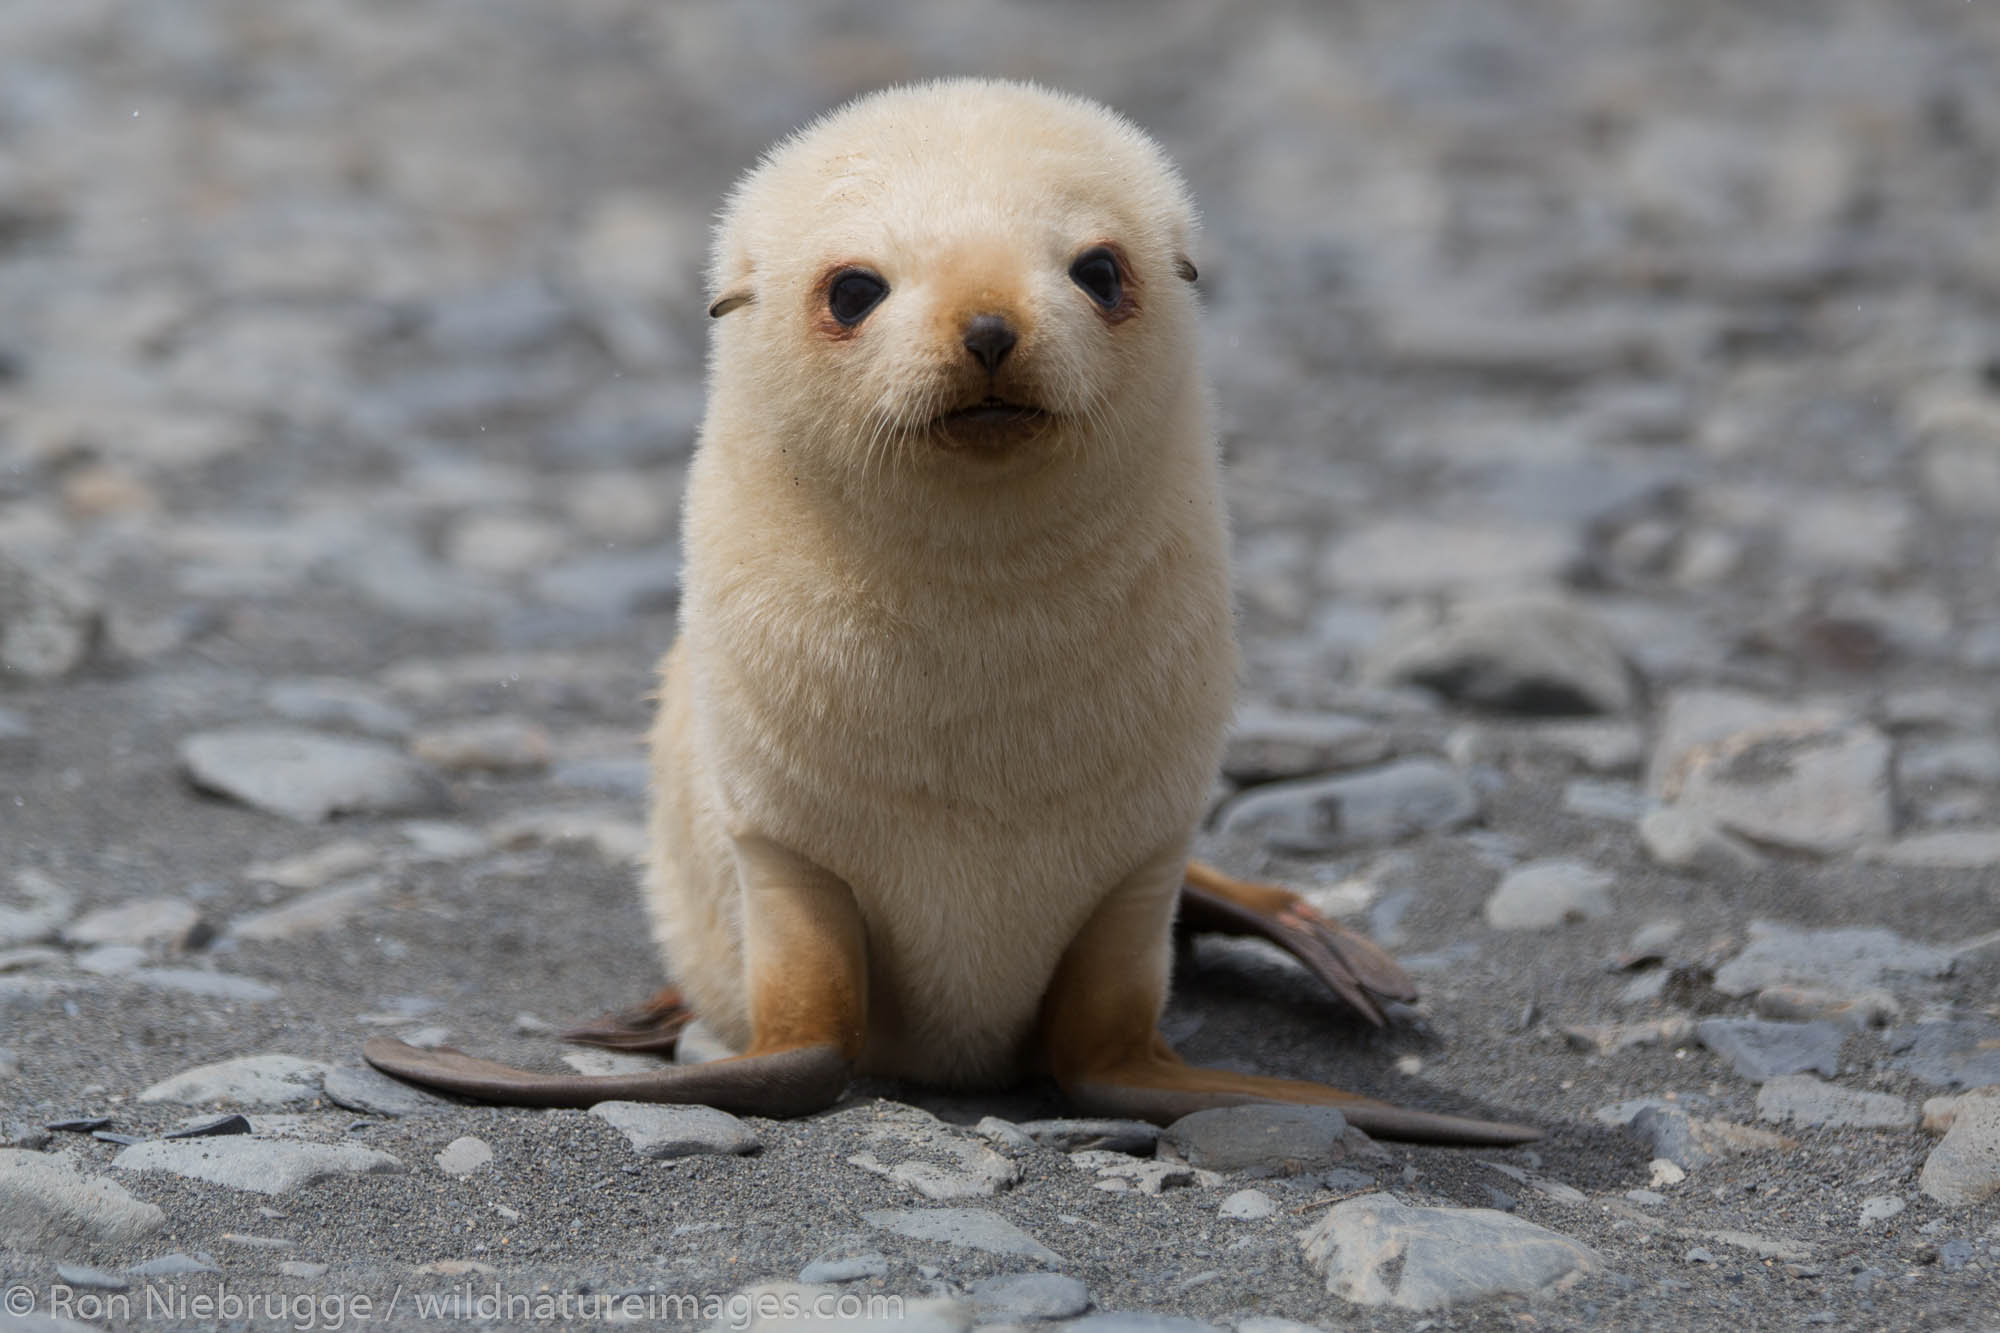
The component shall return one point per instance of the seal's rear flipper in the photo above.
(654, 1026)
(1353, 966)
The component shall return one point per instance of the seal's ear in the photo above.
(1185, 267)
(729, 300)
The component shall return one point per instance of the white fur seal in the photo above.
(956, 652)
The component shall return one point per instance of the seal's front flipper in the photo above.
(1353, 966)
(653, 1026)
(805, 960)
(784, 1083)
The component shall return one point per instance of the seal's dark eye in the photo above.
(853, 294)
(1096, 271)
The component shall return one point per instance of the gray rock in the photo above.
(1269, 745)
(1031, 1296)
(1850, 959)
(627, 778)
(1138, 1321)
(1594, 745)
(677, 1131)
(1880, 1208)
(1682, 839)
(1823, 791)
(625, 583)
(937, 1160)
(317, 868)
(310, 913)
(347, 705)
(1964, 1168)
(1405, 555)
(1248, 1206)
(47, 1206)
(965, 1228)
(789, 1305)
(90, 1279)
(1378, 1250)
(1803, 1099)
(1265, 1140)
(1856, 1011)
(173, 922)
(299, 1268)
(850, 1268)
(262, 1166)
(212, 985)
(1698, 721)
(1516, 654)
(1967, 759)
(50, 617)
(1593, 798)
(307, 776)
(47, 906)
(1947, 849)
(1545, 894)
(363, 1088)
(1365, 808)
(1949, 1052)
(1119, 1172)
(1132, 1136)
(1691, 1142)
(463, 1156)
(1759, 1050)
(17, 738)
(1270, 1324)
(253, 1080)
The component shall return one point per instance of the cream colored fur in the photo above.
(981, 687)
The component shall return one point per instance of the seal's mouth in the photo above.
(989, 425)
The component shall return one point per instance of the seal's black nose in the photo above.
(989, 338)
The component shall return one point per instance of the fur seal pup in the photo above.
(956, 652)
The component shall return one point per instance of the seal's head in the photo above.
(965, 274)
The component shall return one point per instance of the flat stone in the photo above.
(1691, 1142)
(1594, 798)
(1856, 1010)
(1804, 1100)
(463, 1156)
(253, 1080)
(1267, 1140)
(50, 616)
(173, 922)
(1943, 849)
(1065, 1135)
(18, 745)
(261, 1166)
(677, 1131)
(90, 1279)
(1851, 958)
(345, 705)
(506, 745)
(1820, 790)
(210, 985)
(851, 1268)
(317, 868)
(1369, 807)
(616, 838)
(1031, 1296)
(937, 1160)
(309, 914)
(1594, 745)
(308, 776)
(1515, 654)
(1378, 1250)
(1758, 1050)
(1697, 720)
(770, 1307)
(47, 905)
(1119, 1172)
(1544, 894)
(965, 1228)
(1139, 1321)
(1964, 1168)
(1409, 555)
(1269, 745)
(47, 1206)
(1682, 839)
(1949, 1052)
(364, 1088)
